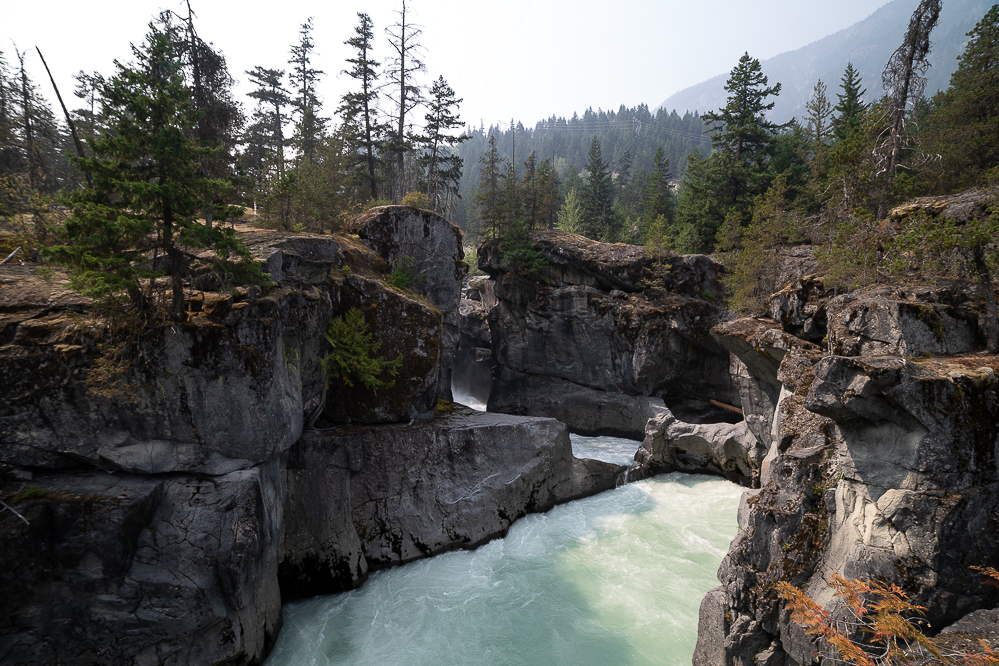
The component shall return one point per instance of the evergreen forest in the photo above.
(158, 154)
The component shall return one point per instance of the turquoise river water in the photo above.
(614, 579)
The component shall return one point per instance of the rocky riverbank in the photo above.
(158, 509)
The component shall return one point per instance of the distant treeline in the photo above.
(634, 132)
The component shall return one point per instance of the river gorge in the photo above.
(648, 467)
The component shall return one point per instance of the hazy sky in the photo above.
(522, 59)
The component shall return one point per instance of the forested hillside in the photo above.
(629, 139)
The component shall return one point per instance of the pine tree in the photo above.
(741, 128)
(850, 106)
(965, 127)
(659, 199)
(405, 93)
(359, 110)
(306, 103)
(440, 161)
(269, 119)
(598, 196)
(519, 255)
(738, 170)
(220, 116)
(490, 198)
(818, 110)
(147, 191)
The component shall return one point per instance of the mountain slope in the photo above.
(868, 44)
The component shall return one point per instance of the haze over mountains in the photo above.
(868, 44)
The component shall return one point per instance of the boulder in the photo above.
(723, 449)
(141, 570)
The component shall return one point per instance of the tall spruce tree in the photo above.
(307, 106)
(744, 140)
(598, 196)
(489, 198)
(659, 198)
(147, 189)
(265, 136)
(220, 116)
(440, 161)
(359, 109)
(850, 105)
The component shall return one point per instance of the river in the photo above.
(612, 579)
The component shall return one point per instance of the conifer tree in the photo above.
(306, 103)
(850, 105)
(519, 255)
(904, 80)
(405, 93)
(359, 110)
(598, 196)
(440, 161)
(738, 170)
(964, 129)
(570, 216)
(220, 116)
(147, 191)
(817, 113)
(490, 198)
(740, 127)
(267, 129)
(659, 200)
(547, 183)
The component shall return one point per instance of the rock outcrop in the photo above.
(153, 569)
(594, 330)
(728, 450)
(878, 467)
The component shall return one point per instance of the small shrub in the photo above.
(34, 492)
(416, 200)
(44, 273)
(353, 356)
(403, 274)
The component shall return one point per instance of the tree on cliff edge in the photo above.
(147, 192)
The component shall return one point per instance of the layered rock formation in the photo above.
(879, 467)
(161, 484)
(607, 328)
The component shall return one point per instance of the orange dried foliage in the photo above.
(883, 612)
